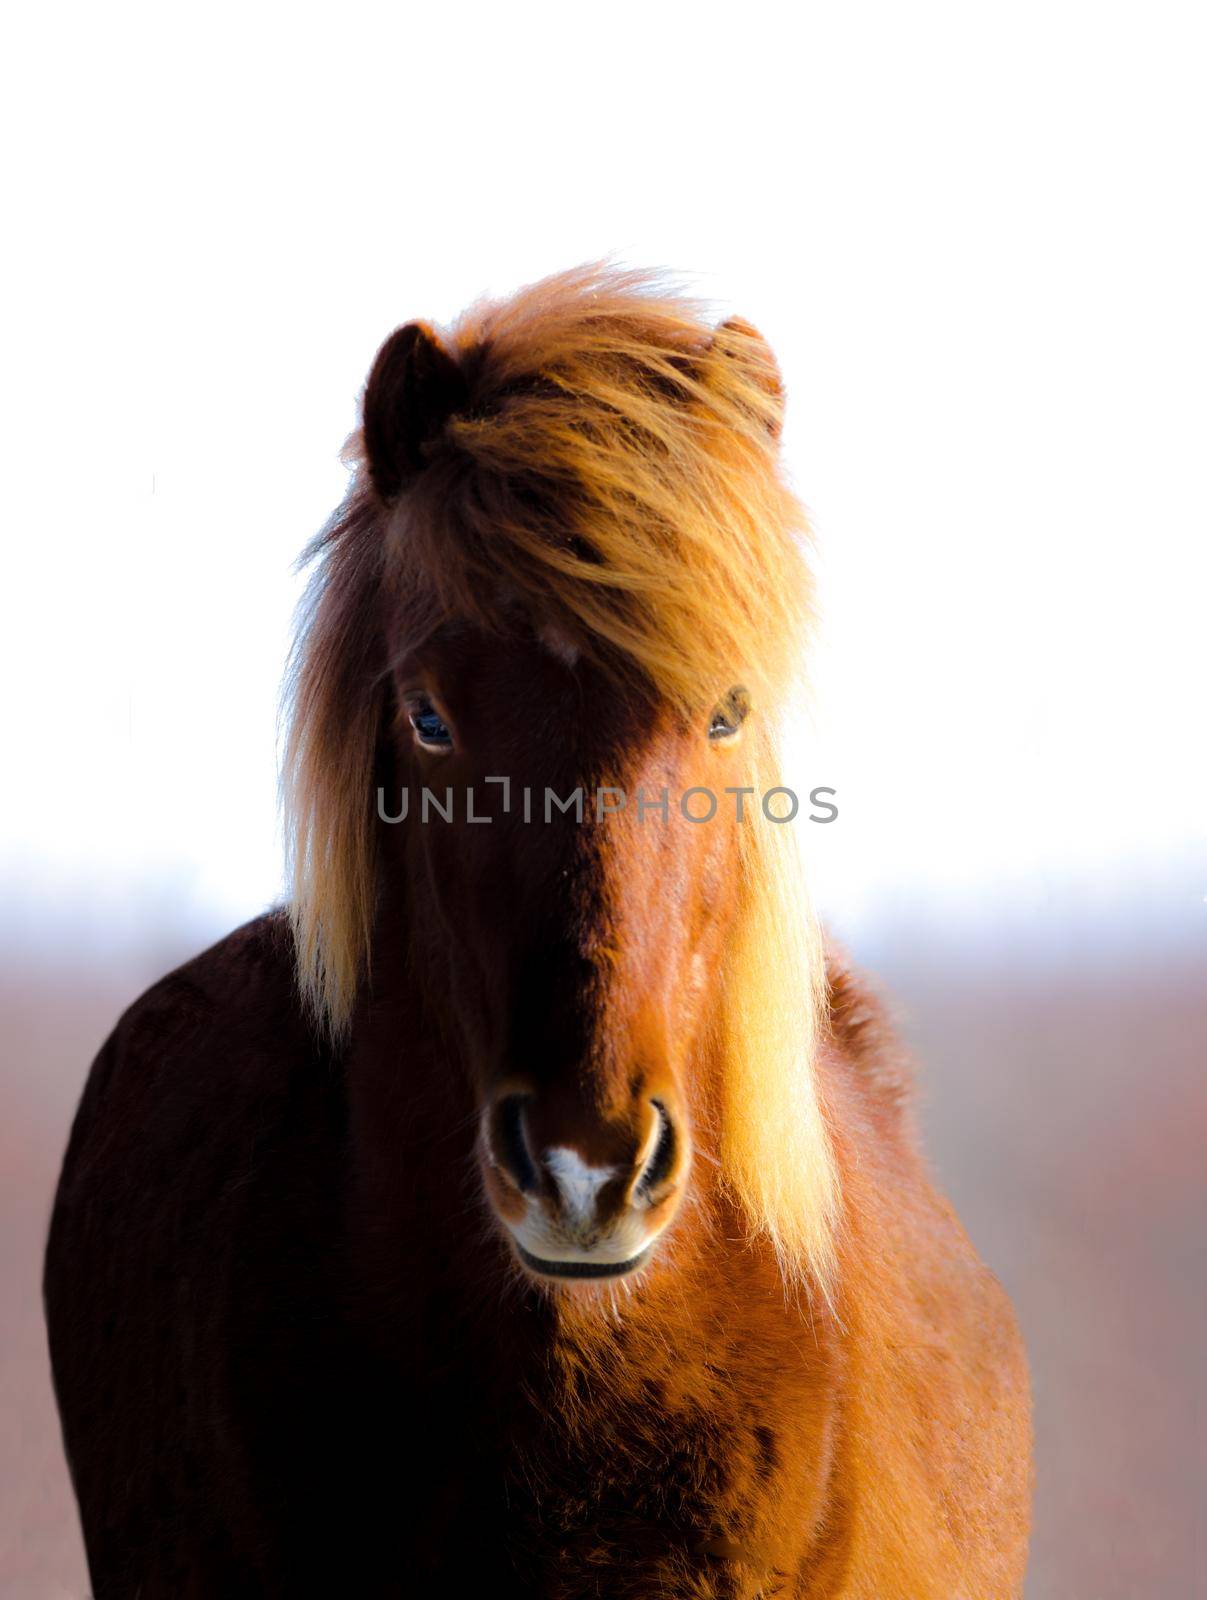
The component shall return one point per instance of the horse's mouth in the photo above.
(581, 1269)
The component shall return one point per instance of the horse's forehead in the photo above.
(551, 635)
(491, 661)
(554, 638)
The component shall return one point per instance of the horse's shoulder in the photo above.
(229, 999)
(218, 1039)
(939, 1393)
(863, 1034)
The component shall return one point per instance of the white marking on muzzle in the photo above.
(578, 1183)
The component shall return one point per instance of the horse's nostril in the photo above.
(662, 1160)
(511, 1145)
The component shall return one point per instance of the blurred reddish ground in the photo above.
(1067, 1116)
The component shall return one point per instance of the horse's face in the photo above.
(576, 960)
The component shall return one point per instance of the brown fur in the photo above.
(295, 1348)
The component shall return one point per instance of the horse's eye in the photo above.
(431, 730)
(729, 715)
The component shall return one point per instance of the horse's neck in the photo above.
(410, 1101)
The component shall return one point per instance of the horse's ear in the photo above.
(739, 352)
(413, 389)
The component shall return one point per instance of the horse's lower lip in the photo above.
(581, 1269)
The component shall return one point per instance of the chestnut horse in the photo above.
(534, 1208)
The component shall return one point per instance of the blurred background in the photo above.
(975, 237)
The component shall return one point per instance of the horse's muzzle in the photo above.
(582, 1198)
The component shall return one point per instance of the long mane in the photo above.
(616, 462)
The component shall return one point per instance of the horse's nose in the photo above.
(509, 1143)
(587, 1197)
(581, 1180)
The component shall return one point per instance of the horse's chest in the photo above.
(682, 1479)
(629, 1459)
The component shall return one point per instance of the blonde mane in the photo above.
(615, 463)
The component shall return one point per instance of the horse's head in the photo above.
(553, 624)
(576, 951)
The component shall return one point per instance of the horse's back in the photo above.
(193, 1070)
(194, 1207)
(938, 1400)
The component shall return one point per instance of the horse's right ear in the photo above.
(742, 362)
(413, 389)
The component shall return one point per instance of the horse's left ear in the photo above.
(413, 389)
(741, 356)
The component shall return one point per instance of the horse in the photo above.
(532, 1205)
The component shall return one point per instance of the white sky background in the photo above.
(975, 237)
